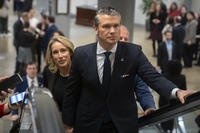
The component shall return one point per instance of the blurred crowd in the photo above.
(184, 26)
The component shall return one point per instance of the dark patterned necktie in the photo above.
(106, 72)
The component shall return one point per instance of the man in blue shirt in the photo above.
(167, 51)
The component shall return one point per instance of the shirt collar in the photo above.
(168, 41)
(29, 79)
(101, 50)
(22, 20)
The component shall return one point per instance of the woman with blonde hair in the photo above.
(59, 54)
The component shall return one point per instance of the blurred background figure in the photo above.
(190, 39)
(17, 28)
(167, 51)
(173, 10)
(48, 34)
(25, 54)
(178, 35)
(30, 79)
(172, 73)
(157, 22)
(4, 11)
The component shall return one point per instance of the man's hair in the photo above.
(26, 24)
(51, 19)
(105, 11)
(167, 31)
(30, 63)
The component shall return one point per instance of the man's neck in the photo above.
(107, 46)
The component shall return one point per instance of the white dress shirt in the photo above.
(101, 57)
(29, 80)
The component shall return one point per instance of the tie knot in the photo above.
(107, 54)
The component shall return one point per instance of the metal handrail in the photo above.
(191, 104)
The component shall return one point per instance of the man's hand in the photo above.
(149, 111)
(68, 129)
(182, 94)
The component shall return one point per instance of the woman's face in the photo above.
(60, 55)
(158, 7)
(173, 7)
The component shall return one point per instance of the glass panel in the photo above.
(187, 123)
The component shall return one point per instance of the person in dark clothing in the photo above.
(27, 5)
(167, 51)
(48, 34)
(173, 73)
(56, 73)
(189, 39)
(178, 35)
(157, 22)
(41, 29)
(17, 28)
(24, 56)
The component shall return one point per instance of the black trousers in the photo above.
(3, 25)
(108, 128)
(188, 55)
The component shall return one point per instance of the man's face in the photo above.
(31, 70)
(124, 34)
(168, 36)
(108, 29)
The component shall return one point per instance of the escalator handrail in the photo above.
(171, 111)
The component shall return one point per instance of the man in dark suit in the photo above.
(99, 97)
(142, 91)
(31, 79)
(178, 35)
(48, 33)
(167, 51)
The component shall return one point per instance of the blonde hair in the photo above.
(66, 42)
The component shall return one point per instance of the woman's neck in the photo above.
(64, 71)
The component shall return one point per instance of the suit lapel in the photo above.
(26, 83)
(173, 50)
(165, 48)
(118, 66)
(94, 64)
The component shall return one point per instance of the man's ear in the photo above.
(96, 29)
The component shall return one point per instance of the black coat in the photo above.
(178, 37)
(18, 27)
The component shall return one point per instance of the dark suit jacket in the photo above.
(162, 59)
(85, 102)
(47, 36)
(24, 85)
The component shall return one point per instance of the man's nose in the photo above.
(112, 29)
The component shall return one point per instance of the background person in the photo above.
(173, 73)
(6, 108)
(142, 91)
